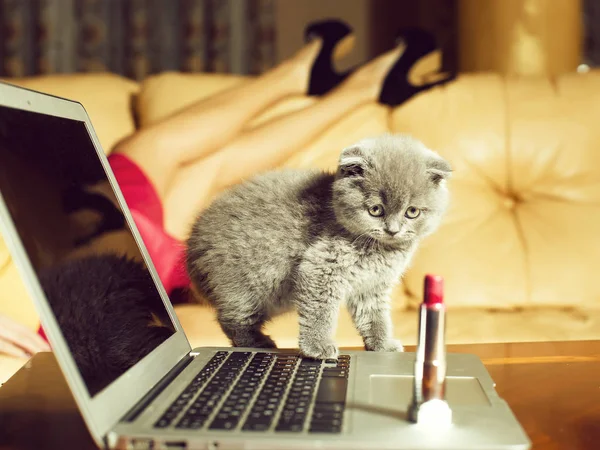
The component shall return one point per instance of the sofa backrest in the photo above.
(522, 227)
(522, 230)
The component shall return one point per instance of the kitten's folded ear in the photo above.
(353, 162)
(439, 169)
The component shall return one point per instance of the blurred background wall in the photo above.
(375, 23)
(137, 38)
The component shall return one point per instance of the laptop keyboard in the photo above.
(263, 391)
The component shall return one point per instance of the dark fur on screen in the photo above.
(110, 314)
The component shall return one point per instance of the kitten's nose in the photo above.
(391, 232)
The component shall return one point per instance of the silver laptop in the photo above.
(173, 396)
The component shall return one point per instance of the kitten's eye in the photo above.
(412, 212)
(376, 210)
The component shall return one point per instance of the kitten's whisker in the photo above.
(372, 243)
(363, 242)
(360, 236)
(366, 244)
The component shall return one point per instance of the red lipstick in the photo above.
(434, 290)
(429, 388)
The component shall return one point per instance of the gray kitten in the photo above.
(311, 240)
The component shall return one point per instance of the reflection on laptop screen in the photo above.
(87, 261)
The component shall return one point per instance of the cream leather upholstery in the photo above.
(519, 247)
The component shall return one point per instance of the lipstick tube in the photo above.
(429, 386)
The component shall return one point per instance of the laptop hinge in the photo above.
(137, 409)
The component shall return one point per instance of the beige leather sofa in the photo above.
(520, 246)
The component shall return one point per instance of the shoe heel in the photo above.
(396, 87)
(337, 39)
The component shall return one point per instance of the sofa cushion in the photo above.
(525, 196)
(464, 326)
(554, 163)
(525, 190)
(106, 97)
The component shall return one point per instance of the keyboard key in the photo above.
(324, 428)
(329, 407)
(196, 424)
(341, 373)
(257, 426)
(311, 362)
(326, 421)
(223, 424)
(332, 390)
(327, 418)
(290, 426)
(324, 416)
(162, 423)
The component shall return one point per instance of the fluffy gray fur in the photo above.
(311, 240)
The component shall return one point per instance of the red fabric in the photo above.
(42, 334)
(166, 252)
(137, 189)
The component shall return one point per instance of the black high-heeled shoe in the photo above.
(396, 88)
(323, 76)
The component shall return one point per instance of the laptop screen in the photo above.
(86, 258)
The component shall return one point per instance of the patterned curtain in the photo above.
(136, 38)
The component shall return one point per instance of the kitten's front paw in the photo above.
(389, 345)
(319, 350)
(393, 345)
(256, 340)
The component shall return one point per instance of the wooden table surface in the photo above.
(553, 389)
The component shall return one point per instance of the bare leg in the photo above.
(211, 123)
(264, 147)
